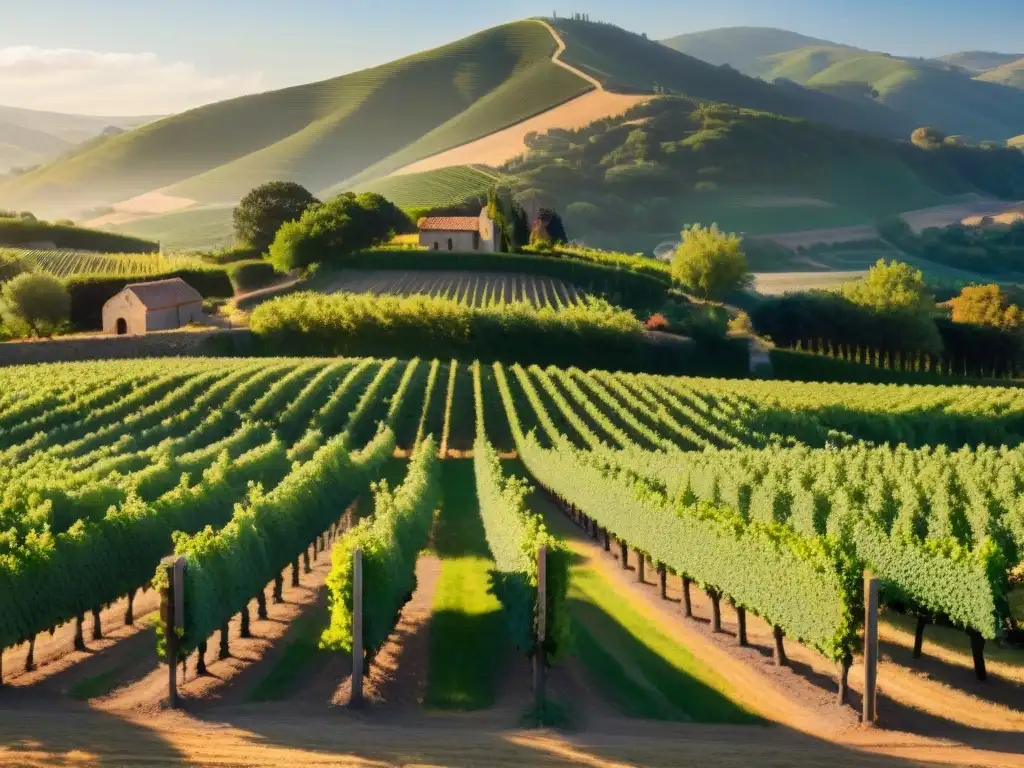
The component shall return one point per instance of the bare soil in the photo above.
(55, 656)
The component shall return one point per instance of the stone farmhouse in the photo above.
(459, 233)
(162, 305)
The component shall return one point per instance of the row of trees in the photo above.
(892, 310)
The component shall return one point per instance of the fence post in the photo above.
(357, 629)
(539, 660)
(870, 648)
(172, 613)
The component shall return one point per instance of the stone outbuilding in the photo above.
(162, 305)
(459, 233)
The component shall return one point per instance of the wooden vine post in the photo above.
(539, 658)
(870, 714)
(356, 699)
(172, 614)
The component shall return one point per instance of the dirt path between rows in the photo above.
(58, 664)
(397, 679)
(803, 695)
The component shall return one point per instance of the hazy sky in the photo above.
(154, 56)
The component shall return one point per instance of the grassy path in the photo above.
(637, 667)
(468, 648)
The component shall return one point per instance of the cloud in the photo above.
(110, 83)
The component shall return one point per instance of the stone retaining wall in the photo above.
(212, 342)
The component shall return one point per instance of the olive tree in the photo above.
(35, 303)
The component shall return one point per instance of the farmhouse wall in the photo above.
(190, 343)
(461, 241)
(174, 317)
(124, 306)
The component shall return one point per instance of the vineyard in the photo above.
(64, 264)
(446, 186)
(772, 497)
(474, 289)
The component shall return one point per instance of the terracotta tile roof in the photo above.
(164, 294)
(450, 224)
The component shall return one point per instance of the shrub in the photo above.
(250, 275)
(591, 335)
(90, 292)
(658, 322)
(231, 255)
(36, 303)
(22, 231)
(261, 213)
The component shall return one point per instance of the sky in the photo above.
(135, 57)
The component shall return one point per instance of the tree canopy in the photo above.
(986, 305)
(709, 263)
(262, 212)
(329, 231)
(35, 303)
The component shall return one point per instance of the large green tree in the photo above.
(262, 212)
(709, 263)
(332, 230)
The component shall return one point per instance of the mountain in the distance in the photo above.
(941, 92)
(979, 62)
(742, 48)
(29, 137)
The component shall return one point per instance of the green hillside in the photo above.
(915, 91)
(446, 186)
(624, 61)
(29, 137)
(741, 47)
(1011, 74)
(321, 133)
(642, 177)
(204, 228)
(979, 61)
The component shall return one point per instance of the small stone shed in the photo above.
(161, 305)
(459, 233)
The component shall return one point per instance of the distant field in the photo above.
(191, 229)
(65, 264)
(445, 186)
(475, 288)
(778, 283)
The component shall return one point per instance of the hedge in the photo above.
(586, 336)
(643, 293)
(250, 275)
(90, 292)
(22, 231)
(795, 365)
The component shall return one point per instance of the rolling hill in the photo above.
(1010, 74)
(321, 133)
(742, 47)
(29, 137)
(979, 61)
(632, 181)
(939, 92)
(630, 63)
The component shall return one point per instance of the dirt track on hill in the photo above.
(500, 147)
